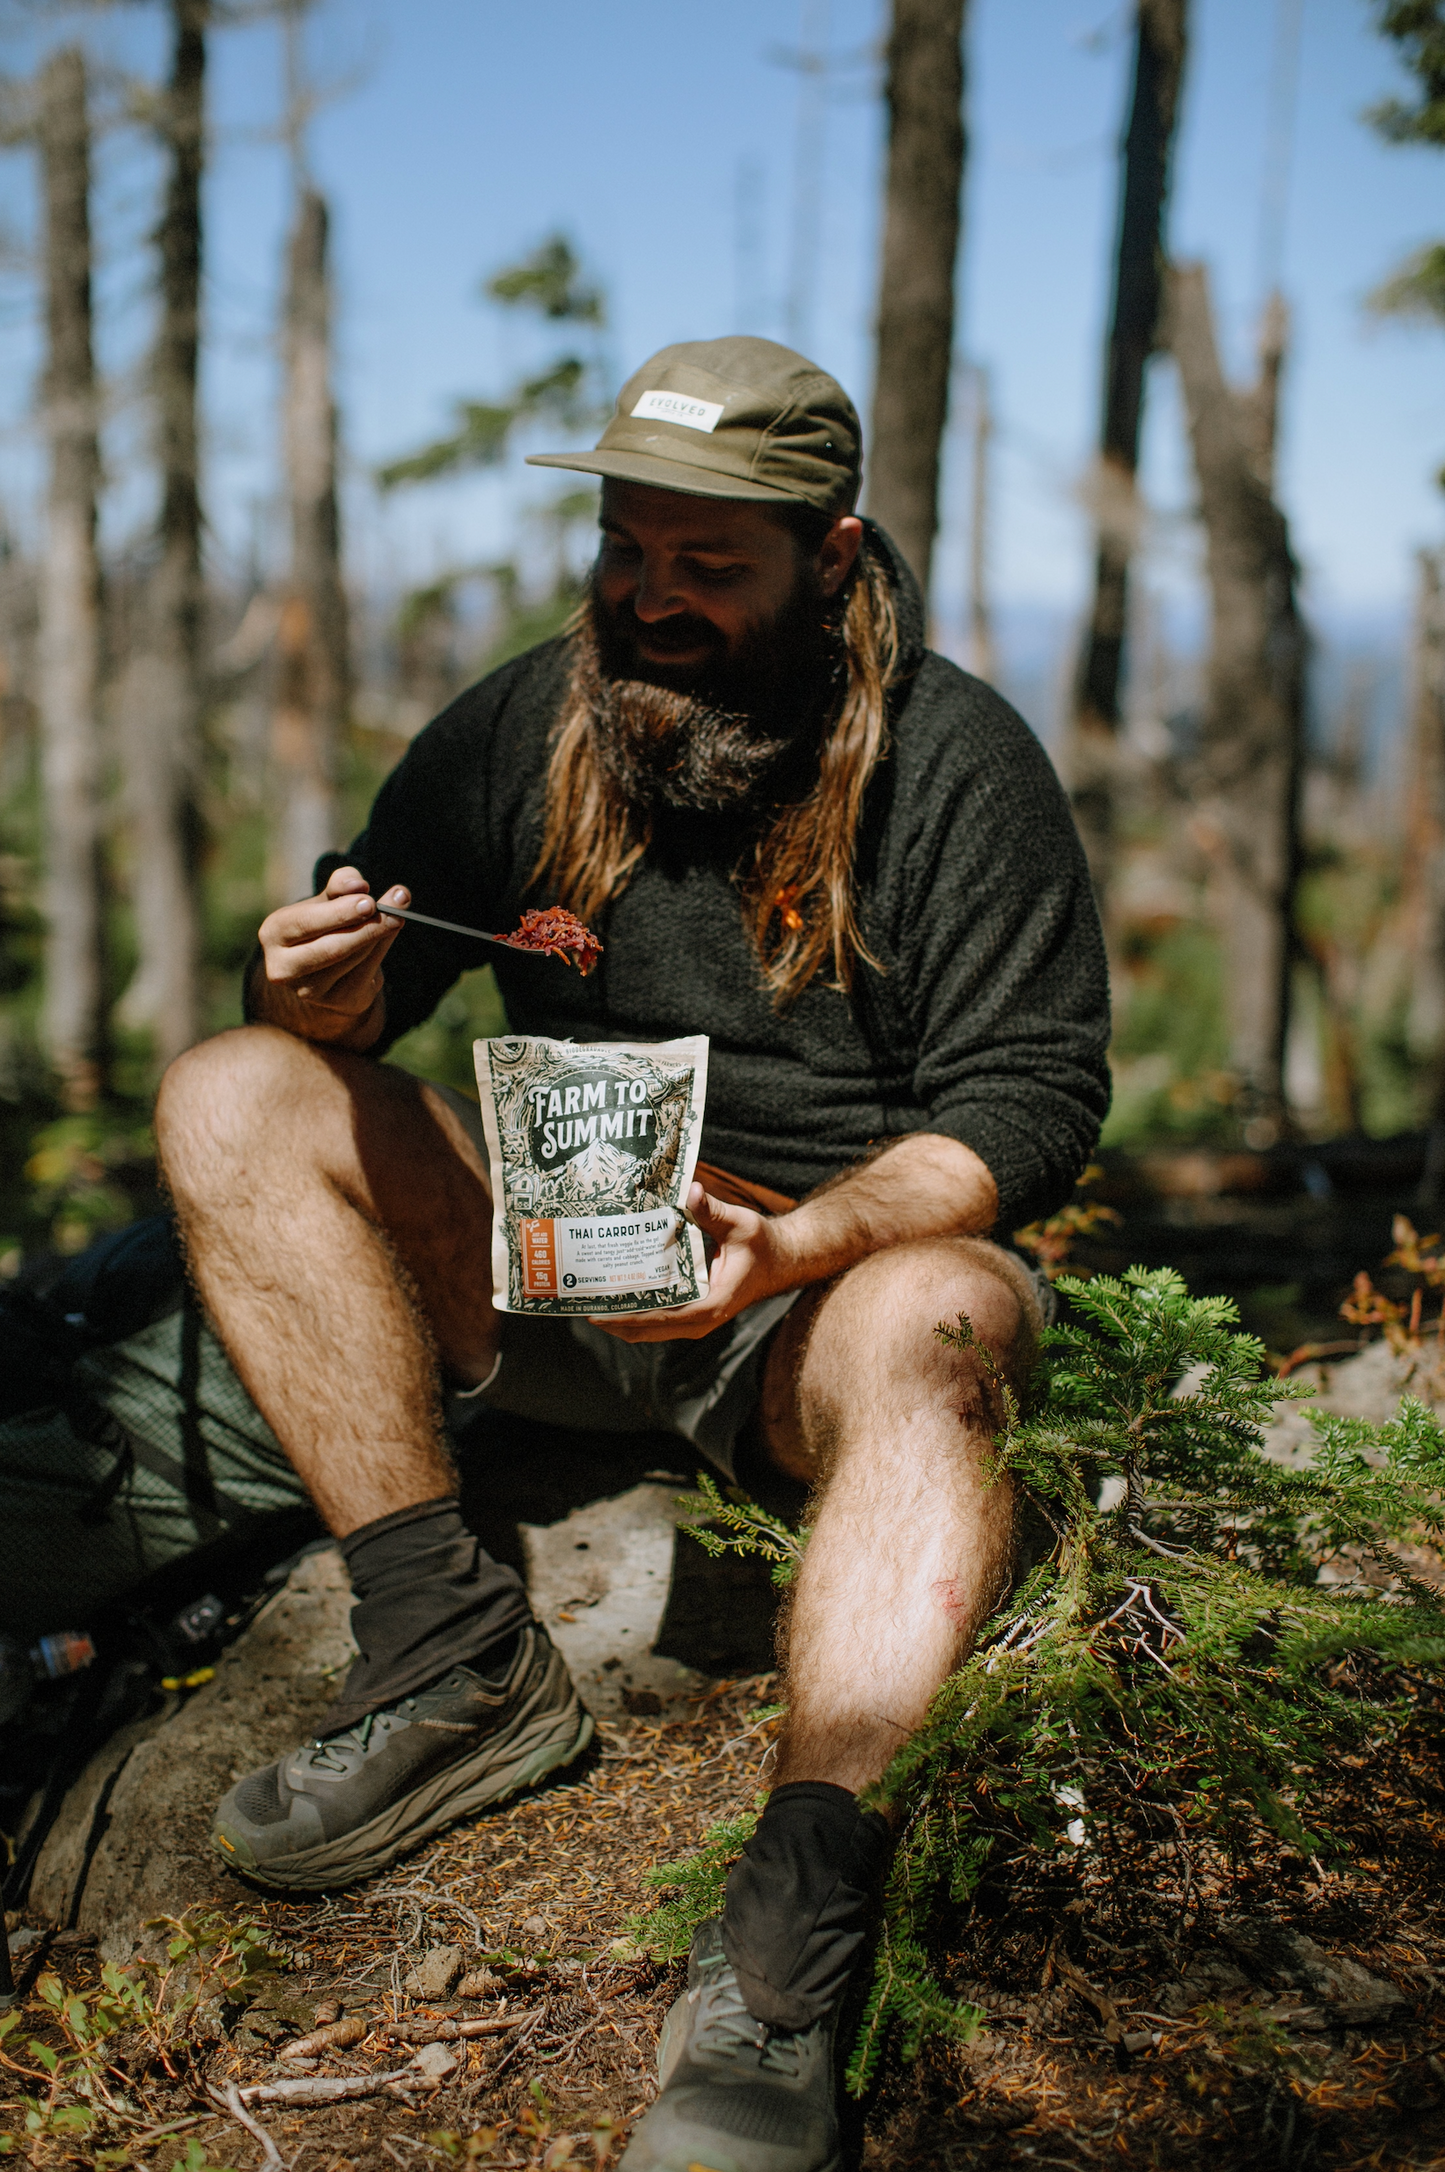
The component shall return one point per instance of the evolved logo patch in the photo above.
(680, 407)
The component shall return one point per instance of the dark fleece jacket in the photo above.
(989, 1020)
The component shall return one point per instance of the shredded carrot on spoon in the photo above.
(559, 932)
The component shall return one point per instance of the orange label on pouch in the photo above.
(539, 1258)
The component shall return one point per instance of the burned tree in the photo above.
(1161, 30)
(915, 296)
(1252, 742)
(982, 653)
(312, 633)
(73, 1018)
(163, 693)
(1424, 873)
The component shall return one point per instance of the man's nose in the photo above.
(657, 595)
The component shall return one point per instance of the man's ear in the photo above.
(839, 553)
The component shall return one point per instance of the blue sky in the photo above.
(463, 131)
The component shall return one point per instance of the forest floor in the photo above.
(1127, 2025)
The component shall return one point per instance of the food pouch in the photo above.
(593, 1146)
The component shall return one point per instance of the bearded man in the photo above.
(797, 831)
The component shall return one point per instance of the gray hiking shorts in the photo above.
(568, 1372)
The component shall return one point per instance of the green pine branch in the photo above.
(550, 280)
(747, 1529)
(1416, 291)
(484, 429)
(1417, 28)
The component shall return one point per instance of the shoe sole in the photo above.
(683, 2156)
(671, 2039)
(494, 1771)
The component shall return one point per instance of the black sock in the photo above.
(427, 1599)
(797, 1903)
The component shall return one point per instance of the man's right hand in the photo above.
(320, 975)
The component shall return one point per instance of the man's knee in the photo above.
(222, 1093)
(883, 1316)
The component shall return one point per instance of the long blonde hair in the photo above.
(798, 894)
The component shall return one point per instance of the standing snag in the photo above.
(162, 697)
(1251, 759)
(915, 294)
(73, 1021)
(314, 671)
(1160, 43)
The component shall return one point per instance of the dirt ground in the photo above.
(1225, 2070)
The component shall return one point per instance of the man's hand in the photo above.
(925, 1186)
(320, 975)
(751, 1261)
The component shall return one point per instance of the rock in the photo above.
(276, 2015)
(600, 1580)
(1206, 1978)
(1290, 1960)
(132, 1839)
(435, 2062)
(435, 1973)
(1367, 1386)
(72, 1839)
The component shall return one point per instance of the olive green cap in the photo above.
(731, 418)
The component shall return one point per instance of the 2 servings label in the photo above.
(607, 1254)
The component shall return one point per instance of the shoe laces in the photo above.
(726, 2027)
(340, 1753)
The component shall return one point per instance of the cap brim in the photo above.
(625, 467)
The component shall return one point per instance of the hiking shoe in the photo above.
(346, 1805)
(737, 2096)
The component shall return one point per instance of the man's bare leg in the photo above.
(911, 1548)
(910, 1551)
(337, 1222)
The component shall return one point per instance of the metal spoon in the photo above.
(451, 927)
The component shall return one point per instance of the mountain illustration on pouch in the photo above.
(593, 1147)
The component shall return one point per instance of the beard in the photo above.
(736, 733)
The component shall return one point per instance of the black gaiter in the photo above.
(797, 1904)
(427, 1599)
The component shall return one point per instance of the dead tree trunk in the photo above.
(163, 694)
(915, 296)
(73, 1018)
(1424, 872)
(313, 666)
(1252, 744)
(1161, 31)
(982, 655)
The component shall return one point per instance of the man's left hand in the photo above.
(751, 1261)
(925, 1185)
